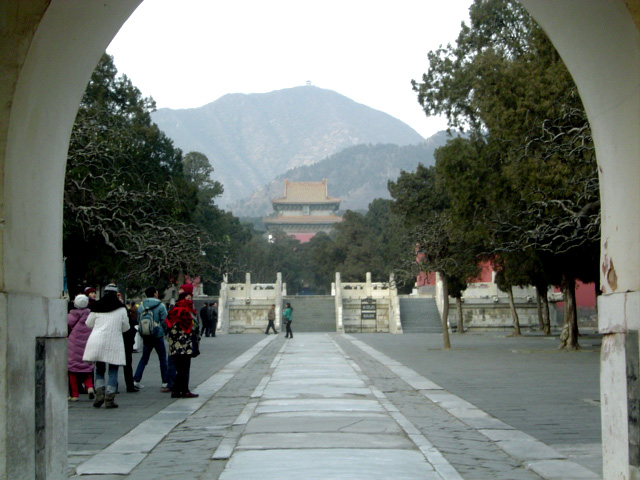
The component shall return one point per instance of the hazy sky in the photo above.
(189, 53)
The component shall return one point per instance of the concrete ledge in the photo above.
(561, 470)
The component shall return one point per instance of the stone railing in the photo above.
(485, 306)
(243, 307)
(359, 307)
(367, 306)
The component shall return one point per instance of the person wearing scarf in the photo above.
(180, 325)
(108, 320)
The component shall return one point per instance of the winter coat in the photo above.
(105, 343)
(182, 327)
(78, 336)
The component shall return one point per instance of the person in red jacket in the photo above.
(182, 333)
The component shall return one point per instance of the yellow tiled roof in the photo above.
(307, 219)
(306, 193)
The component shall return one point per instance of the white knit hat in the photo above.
(81, 301)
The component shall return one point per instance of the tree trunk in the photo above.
(514, 313)
(460, 328)
(445, 312)
(539, 309)
(545, 314)
(570, 333)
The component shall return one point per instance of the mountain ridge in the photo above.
(356, 175)
(252, 138)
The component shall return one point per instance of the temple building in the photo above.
(305, 209)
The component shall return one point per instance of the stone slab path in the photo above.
(323, 406)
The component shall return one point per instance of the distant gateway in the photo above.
(305, 209)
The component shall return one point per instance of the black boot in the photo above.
(99, 397)
(110, 401)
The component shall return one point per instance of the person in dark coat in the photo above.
(213, 317)
(129, 338)
(206, 321)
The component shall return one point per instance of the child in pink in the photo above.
(79, 371)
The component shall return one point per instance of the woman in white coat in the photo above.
(108, 320)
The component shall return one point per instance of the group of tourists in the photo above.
(209, 317)
(102, 333)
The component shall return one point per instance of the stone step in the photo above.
(313, 313)
(419, 315)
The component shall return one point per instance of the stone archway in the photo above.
(48, 50)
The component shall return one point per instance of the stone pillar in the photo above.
(619, 322)
(278, 301)
(247, 288)
(223, 307)
(338, 302)
(395, 325)
(368, 289)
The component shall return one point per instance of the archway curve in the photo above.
(48, 52)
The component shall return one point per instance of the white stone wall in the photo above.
(352, 318)
(349, 297)
(243, 307)
(487, 316)
(248, 318)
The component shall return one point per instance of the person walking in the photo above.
(181, 327)
(133, 311)
(154, 341)
(287, 315)
(206, 321)
(271, 318)
(108, 320)
(129, 338)
(213, 317)
(79, 370)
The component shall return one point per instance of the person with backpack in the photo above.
(151, 314)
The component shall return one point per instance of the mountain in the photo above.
(250, 139)
(356, 175)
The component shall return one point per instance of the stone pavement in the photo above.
(354, 406)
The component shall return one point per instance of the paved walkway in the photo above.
(331, 406)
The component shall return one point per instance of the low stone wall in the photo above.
(353, 322)
(489, 316)
(351, 299)
(243, 307)
(248, 318)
